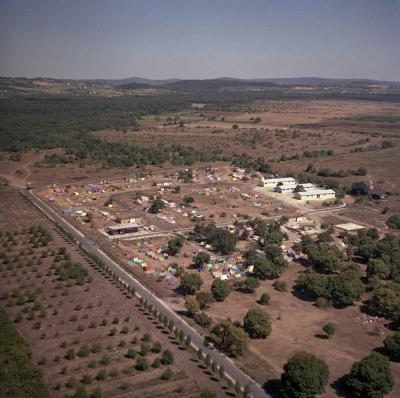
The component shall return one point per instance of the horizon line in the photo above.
(207, 78)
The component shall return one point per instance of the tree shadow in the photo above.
(339, 386)
(380, 350)
(302, 295)
(179, 292)
(272, 387)
(321, 336)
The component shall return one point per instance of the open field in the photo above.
(92, 331)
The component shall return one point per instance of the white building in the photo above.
(273, 182)
(289, 188)
(285, 188)
(318, 194)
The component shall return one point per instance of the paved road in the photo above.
(197, 340)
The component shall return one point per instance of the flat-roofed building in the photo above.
(317, 194)
(349, 227)
(285, 188)
(289, 188)
(273, 182)
(122, 229)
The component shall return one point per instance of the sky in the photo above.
(82, 39)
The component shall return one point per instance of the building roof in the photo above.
(286, 186)
(317, 192)
(123, 226)
(306, 184)
(349, 226)
(278, 179)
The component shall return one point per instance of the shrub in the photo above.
(131, 353)
(167, 358)
(265, 299)
(156, 347)
(105, 360)
(280, 286)
(144, 349)
(168, 374)
(142, 364)
(329, 329)
(70, 354)
(203, 319)
(146, 337)
(101, 375)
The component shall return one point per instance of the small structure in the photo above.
(318, 194)
(349, 227)
(377, 194)
(273, 182)
(122, 229)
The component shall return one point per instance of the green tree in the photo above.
(385, 301)
(220, 290)
(345, 289)
(250, 284)
(392, 346)
(229, 338)
(201, 258)
(157, 205)
(304, 376)
(371, 377)
(191, 283)
(394, 221)
(266, 269)
(203, 319)
(378, 268)
(359, 188)
(175, 245)
(192, 307)
(257, 324)
(204, 299)
(311, 285)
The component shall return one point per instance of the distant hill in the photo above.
(134, 86)
(316, 81)
(218, 83)
(132, 80)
